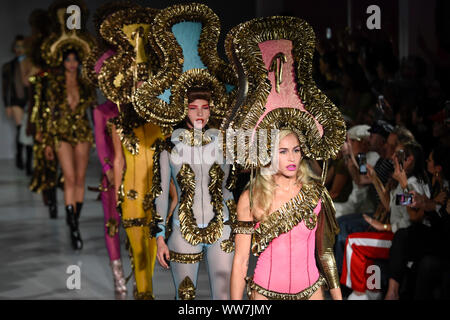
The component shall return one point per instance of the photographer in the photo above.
(364, 247)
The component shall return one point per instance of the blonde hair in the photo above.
(264, 185)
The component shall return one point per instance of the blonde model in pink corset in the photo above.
(286, 216)
(287, 208)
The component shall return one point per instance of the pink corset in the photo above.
(288, 264)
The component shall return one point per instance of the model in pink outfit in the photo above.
(288, 264)
(105, 151)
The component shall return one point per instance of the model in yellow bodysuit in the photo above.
(134, 202)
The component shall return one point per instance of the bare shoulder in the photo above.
(243, 206)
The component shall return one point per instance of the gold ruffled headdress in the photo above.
(129, 60)
(273, 58)
(128, 31)
(92, 63)
(179, 73)
(64, 39)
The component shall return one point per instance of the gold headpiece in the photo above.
(184, 68)
(55, 45)
(102, 46)
(273, 57)
(128, 31)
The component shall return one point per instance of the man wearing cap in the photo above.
(357, 142)
(381, 132)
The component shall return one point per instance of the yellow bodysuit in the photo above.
(135, 202)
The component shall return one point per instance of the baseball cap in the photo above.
(382, 128)
(359, 132)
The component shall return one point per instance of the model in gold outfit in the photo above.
(67, 134)
(127, 30)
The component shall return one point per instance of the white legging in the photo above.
(219, 263)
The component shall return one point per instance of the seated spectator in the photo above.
(427, 241)
(383, 169)
(357, 143)
(339, 181)
(364, 247)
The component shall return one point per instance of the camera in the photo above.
(329, 34)
(362, 163)
(403, 199)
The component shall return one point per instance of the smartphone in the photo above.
(403, 199)
(362, 162)
(401, 158)
(380, 104)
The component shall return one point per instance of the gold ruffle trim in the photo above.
(228, 245)
(186, 257)
(244, 227)
(126, 135)
(144, 295)
(186, 289)
(135, 222)
(132, 194)
(188, 225)
(158, 146)
(273, 295)
(88, 70)
(232, 178)
(112, 227)
(298, 209)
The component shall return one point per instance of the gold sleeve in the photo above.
(327, 229)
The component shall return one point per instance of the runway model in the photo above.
(128, 30)
(15, 94)
(68, 135)
(105, 147)
(286, 208)
(201, 220)
(44, 177)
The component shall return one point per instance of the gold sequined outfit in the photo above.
(65, 124)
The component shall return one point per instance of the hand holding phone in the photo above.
(404, 199)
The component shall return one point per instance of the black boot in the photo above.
(19, 147)
(79, 207)
(29, 160)
(75, 236)
(52, 205)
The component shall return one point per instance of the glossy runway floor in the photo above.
(36, 251)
